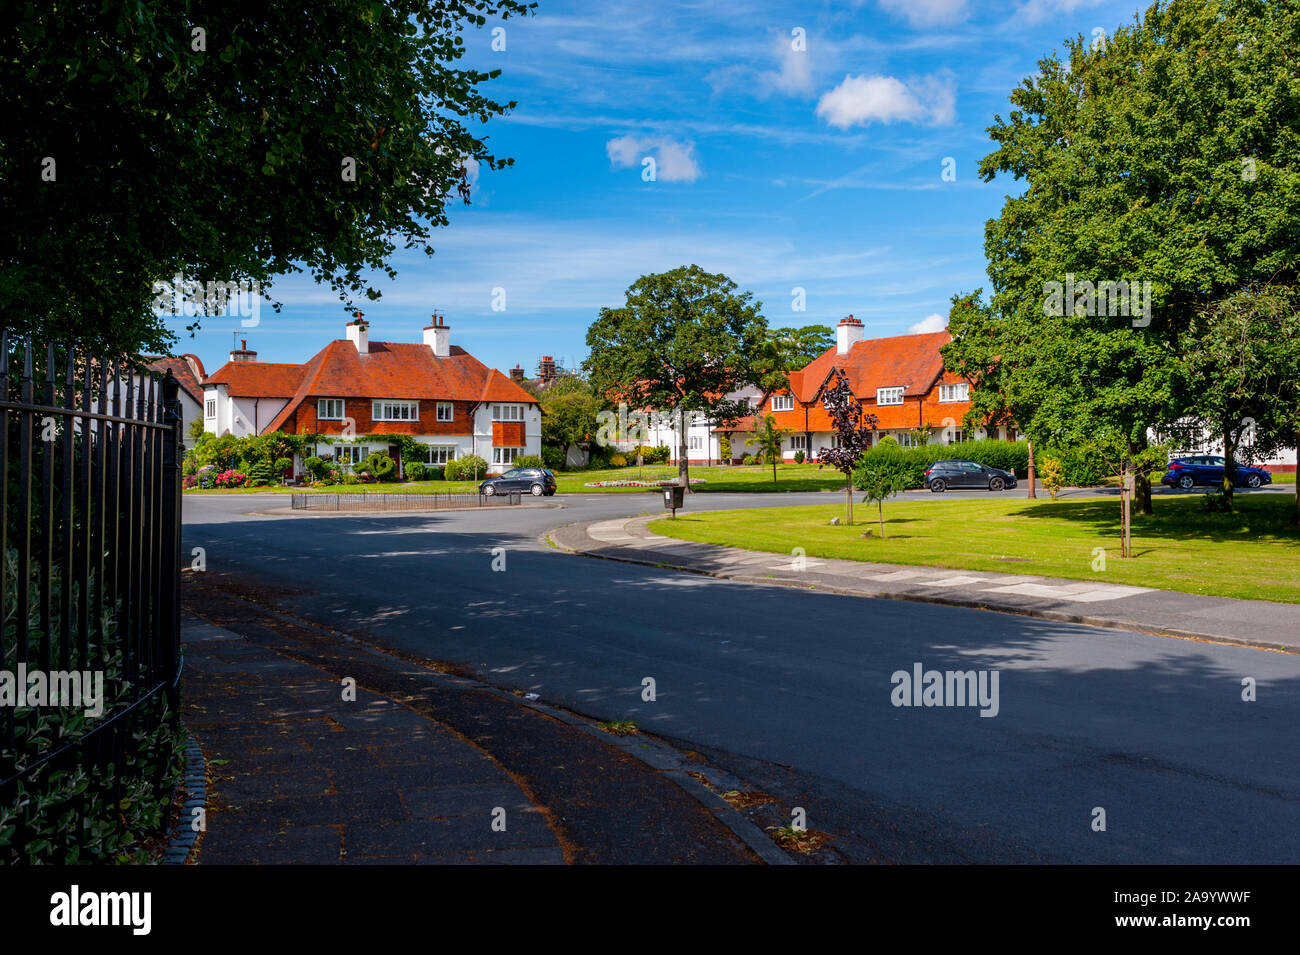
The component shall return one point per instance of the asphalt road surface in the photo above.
(793, 688)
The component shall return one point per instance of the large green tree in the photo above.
(145, 138)
(1169, 154)
(682, 341)
(796, 347)
(569, 412)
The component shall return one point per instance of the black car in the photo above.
(534, 481)
(1208, 469)
(945, 474)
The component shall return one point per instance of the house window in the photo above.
(696, 442)
(330, 409)
(907, 439)
(959, 392)
(783, 402)
(889, 396)
(396, 411)
(349, 453)
(445, 410)
(210, 408)
(799, 442)
(439, 453)
(507, 413)
(956, 435)
(505, 455)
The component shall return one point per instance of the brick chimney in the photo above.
(437, 335)
(359, 333)
(849, 332)
(242, 353)
(516, 374)
(546, 368)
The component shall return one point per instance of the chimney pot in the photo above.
(848, 333)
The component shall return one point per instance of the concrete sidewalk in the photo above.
(1254, 623)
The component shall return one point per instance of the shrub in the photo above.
(432, 472)
(1053, 475)
(349, 479)
(617, 461)
(887, 440)
(379, 466)
(230, 478)
(262, 474)
(529, 461)
(1010, 456)
(468, 466)
(747, 459)
(283, 464)
(415, 471)
(724, 448)
(799, 457)
(316, 467)
(553, 457)
(452, 470)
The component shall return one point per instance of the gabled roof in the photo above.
(186, 369)
(257, 379)
(912, 361)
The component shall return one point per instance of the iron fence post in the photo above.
(171, 532)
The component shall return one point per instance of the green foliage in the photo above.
(656, 455)
(451, 472)
(262, 474)
(470, 465)
(553, 457)
(1053, 474)
(529, 461)
(747, 459)
(768, 438)
(196, 431)
(317, 467)
(569, 410)
(796, 347)
(799, 457)
(881, 481)
(911, 463)
(724, 447)
(379, 466)
(433, 472)
(617, 461)
(163, 148)
(415, 470)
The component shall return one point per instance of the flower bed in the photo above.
(669, 483)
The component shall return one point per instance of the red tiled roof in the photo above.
(257, 379)
(401, 370)
(912, 361)
(186, 369)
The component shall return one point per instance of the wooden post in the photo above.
(1033, 477)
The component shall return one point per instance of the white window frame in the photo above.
(798, 442)
(954, 392)
(887, 396)
(446, 411)
(783, 402)
(695, 442)
(956, 436)
(506, 455)
(507, 412)
(323, 403)
(433, 452)
(351, 453)
(906, 439)
(210, 407)
(390, 409)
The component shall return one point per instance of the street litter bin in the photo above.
(673, 497)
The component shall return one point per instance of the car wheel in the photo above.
(938, 486)
(1186, 482)
(489, 491)
(1253, 481)
(997, 484)
(537, 490)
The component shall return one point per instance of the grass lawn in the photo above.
(1252, 554)
(790, 477)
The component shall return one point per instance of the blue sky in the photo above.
(818, 169)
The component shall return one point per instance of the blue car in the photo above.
(1208, 469)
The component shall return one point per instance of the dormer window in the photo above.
(507, 413)
(889, 396)
(783, 402)
(959, 392)
(329, 409)
(446, 410)
(396, 411)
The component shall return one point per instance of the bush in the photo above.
(529, 461)
(469, 464)
(230, 478)
(415, 471)
(911, 463)
(553, 457)
(1053, 475)
(452, 470)
(617, 461)
(432, 472)
(379, 466)
(262, 474)
(724, 449)
(283, 464)
(799, 457)
(747, 459)
(318, 468)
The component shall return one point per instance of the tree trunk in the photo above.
(848, 498)
(1229, 464)
(683, 464)
(1033, 477)
(1125, 510)
(881, 507)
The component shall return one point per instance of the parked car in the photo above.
(1208, 469)
(534, 481)
(945, 474)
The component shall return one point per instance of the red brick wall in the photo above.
(360, 410)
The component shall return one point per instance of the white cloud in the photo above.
(794, 73)
(674, 159)
(1036, 11)
(861, 100)
(931, 323)
(927, 12)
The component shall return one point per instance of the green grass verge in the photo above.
(1252, 554)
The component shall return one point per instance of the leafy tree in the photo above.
(880, 481)
(1053, 476)
(147, 138)
(768, 439)
(683, 340)
(853, 431)
(796, 347)
(1169, 154)
(196, 430)
(569, 410)
(1242, 359)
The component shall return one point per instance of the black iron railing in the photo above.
(89, 551)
